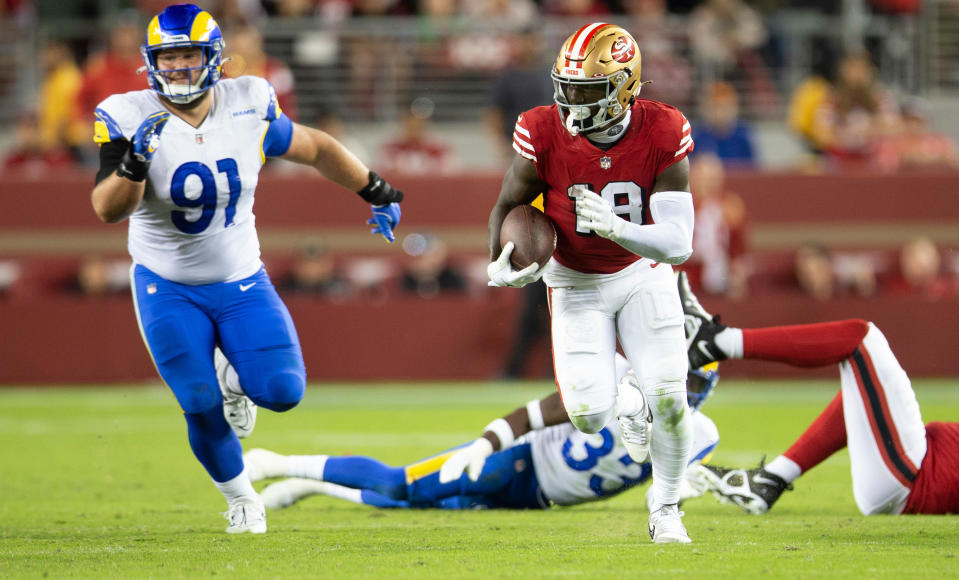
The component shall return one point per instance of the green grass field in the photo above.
(100, 483)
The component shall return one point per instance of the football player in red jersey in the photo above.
(615, 181)
(899, 465)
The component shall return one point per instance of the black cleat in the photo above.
(754, 490)
(701, 328)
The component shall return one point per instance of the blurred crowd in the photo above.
(714, 59)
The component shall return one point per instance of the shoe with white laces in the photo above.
(239, 410)
(264, 464)
(635, 420)
(754, 490)
(701, 327)
(666, 526)
(289, 491)
(246, 515)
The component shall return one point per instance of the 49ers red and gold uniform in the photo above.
(614, 177)
(657, 136)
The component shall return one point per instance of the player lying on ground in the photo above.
(898, 464)
(530, 459)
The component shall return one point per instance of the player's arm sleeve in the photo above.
(537, 414)
(279, 131)
(670, 239)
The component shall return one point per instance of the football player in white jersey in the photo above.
(532, 458)
(181, 161)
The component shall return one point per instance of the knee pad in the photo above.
(285, 391)
(591, 422)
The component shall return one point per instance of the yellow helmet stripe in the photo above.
(153, 32)
(203, 24)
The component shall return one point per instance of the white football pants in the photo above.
(640, 306)
(884, 430)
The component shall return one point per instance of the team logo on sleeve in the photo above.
(623, 49)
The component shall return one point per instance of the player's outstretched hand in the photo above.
(596, 214)
(135, 163)
(147, 138)
(501, 272)
(385, 218)
(470, 459)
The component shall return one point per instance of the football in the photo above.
(532, 234)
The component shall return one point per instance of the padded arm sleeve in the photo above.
(670, 238)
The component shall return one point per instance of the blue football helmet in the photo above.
(700, 383)
(178, 26)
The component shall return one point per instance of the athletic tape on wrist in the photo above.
(503, 432)
(535, 413)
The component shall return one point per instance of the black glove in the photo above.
(379, 192)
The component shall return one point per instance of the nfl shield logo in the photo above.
(199, 138)
(605, 162)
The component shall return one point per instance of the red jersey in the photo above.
(658, 136)
(936, 488)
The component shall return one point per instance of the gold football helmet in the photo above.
(596, 77)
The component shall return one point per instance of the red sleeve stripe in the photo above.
(523, 152)
(521, 130)
(683, 148)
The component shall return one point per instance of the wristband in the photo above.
(378, 192)
(132, 168)
(503, 432)
(535, 413)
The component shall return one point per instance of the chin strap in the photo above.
(613, 133)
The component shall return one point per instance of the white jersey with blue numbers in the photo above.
(196, 224)
(574, 467)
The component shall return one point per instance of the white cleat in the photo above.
(666, 526)
(239, 410)
(635, 420)
(289, 491)
(246, 515)
(264, 464)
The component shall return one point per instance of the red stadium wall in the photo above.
(52, 337)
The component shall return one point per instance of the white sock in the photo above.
(785, 468)
(308, 466)
(730, 341)
(343, 492)
(669, 446)
(236, 488)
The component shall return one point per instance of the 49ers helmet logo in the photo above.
(623, 49)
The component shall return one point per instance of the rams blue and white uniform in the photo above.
(574, 467)
(557, 465)
(196, 223)
(197, 278)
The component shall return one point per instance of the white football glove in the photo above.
(501, 272)
(597, 214)
(470, 459)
